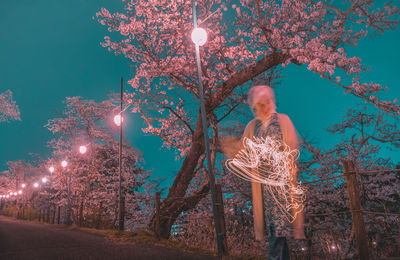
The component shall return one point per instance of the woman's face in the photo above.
(263, 108)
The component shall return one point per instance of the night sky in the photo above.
(50, 50)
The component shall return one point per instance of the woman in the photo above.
(268, 122)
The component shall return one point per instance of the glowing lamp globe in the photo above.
(15, 193)
(64, 163)
(82, 149)
(117, 120)
(7, 196)
(51, 169)
(20, 192)
(44, 179)
(23, 185)
(199, 36)
(36, 185)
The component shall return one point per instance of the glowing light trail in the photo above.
(272, 163)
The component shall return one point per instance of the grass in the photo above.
(142, 237)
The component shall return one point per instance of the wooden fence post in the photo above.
(158, 198)
(220, 203)
(356, 210)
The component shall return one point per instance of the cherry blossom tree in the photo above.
(95, 173)
(246, 40)
(366, 133)
(8, 108)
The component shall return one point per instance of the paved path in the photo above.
(26, 240)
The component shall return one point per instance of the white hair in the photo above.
(259, 92)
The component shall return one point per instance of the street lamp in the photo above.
(44, 179)
(23, 185)
(82, 149)
(36, 185)
(20, 192)
(51, 169)
(64, 165)
(118, 120)
(199, 38)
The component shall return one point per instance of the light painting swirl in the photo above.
(272, 163)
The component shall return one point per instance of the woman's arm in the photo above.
(231, 145)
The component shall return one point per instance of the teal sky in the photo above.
(50, 50)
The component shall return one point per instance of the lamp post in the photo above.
(118, 120)
(68, 211)
(82, 150)
(199, 37)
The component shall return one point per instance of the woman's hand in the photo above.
(230, 145)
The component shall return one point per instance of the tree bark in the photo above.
(81, 214)
(175, 203)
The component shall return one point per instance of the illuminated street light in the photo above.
(117, 119)
(7, 196)
(36, 185)
(64, 163)
(20, 192)
(82, 149)
(15, 193)
(23, 185)
(44, 179)
(199, 36)
(51, 169)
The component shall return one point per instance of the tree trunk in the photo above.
(98, 217)
(48, 215)
(53, 217)
(174, 204)
(80, 214)
(58, 214)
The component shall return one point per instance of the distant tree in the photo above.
(8, 108)
(95, 178)
(246, 40)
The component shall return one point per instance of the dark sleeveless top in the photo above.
(275, 221)
(272, 130)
